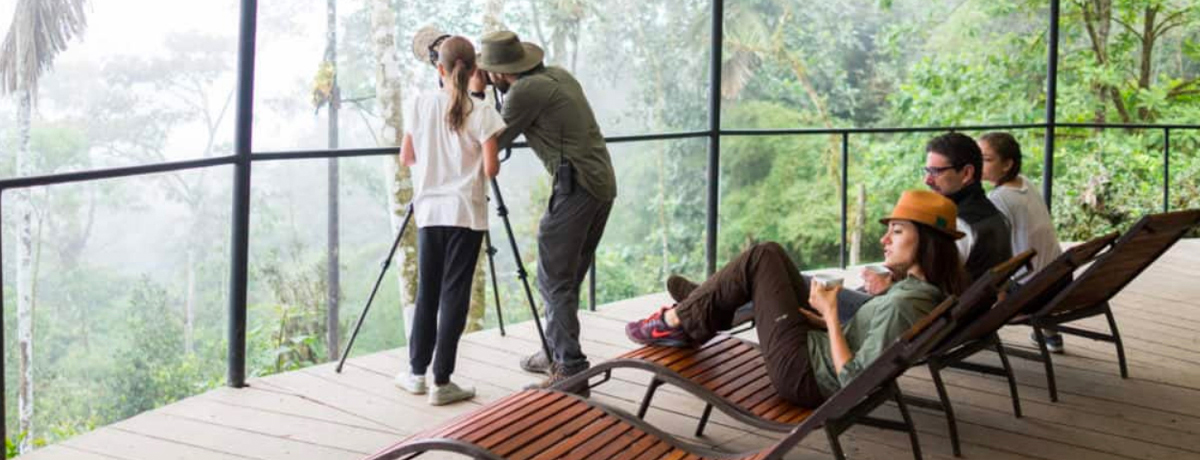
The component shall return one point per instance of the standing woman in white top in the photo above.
(450, 145)
(1022, 205)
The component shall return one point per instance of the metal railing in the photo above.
(243, 160)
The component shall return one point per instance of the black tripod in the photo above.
(502, 210)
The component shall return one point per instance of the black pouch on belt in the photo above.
(564, 178)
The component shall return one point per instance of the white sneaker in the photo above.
(449, 393)
(1054, 341)
(414, 384)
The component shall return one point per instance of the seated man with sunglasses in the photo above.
(954, 168)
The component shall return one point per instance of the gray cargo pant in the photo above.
(567, 238)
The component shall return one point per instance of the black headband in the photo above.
(433, 49)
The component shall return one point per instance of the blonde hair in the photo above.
(457, 56)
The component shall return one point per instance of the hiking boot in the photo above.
(655, 331)
(679, 287)
(1054, 341)
(441, 395)
(536, 363)
(555, 377)
(414, 384)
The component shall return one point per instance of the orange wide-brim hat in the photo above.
(927, 208)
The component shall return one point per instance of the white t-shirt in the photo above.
(450, 188)
(967, 242)
(1030, 221)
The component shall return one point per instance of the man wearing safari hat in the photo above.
(548, 106)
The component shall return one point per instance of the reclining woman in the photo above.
(809, 353)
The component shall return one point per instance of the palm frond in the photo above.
(736, 72)
(40, 30)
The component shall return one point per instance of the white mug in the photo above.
(828, 280)
(879, 269)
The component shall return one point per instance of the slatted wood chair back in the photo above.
(1144, 243)
(1034, 292)
(981, 294)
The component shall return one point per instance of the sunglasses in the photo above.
(936, 170)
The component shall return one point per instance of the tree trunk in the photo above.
(1146, 69)
(493, 13)
(860, 222)
(388, 96)
(189, 309)
(1097, 18)
(25, 274)
(332, 244)
(664, 232)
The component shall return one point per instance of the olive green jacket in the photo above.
(871, 331)
(548, 106)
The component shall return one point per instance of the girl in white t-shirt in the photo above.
(450, 146)
(1022, 205)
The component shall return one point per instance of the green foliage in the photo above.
(297, 321)
(11, 444)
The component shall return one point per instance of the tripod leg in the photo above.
(512, 241)
(491, 254)
(386, 263)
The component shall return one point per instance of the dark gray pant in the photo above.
(446, 258)
(567, 238)
(849, 301)
(765, 275)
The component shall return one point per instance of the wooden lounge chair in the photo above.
(980, 334)
(1090, 293)
(542, 424)
(729, 372)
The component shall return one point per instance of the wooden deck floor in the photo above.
(318, 414)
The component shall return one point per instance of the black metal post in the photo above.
(1051, 102)
(1167, 170)
(845, 194)
(714, 133)
(332, 236)
(241, 195)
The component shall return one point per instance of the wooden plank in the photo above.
(117, 442)
(244, 442)
(313, 431)
(289, 404)
(999, 414)
(406, 414)
(1034, 391)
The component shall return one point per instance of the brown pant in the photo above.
(765, 275)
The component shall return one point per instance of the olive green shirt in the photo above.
(549, 107)
(876, 325)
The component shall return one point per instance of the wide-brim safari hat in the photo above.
(927, 208)
(503, 52)
(424, 42)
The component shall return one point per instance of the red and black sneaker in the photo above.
(655, 331)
